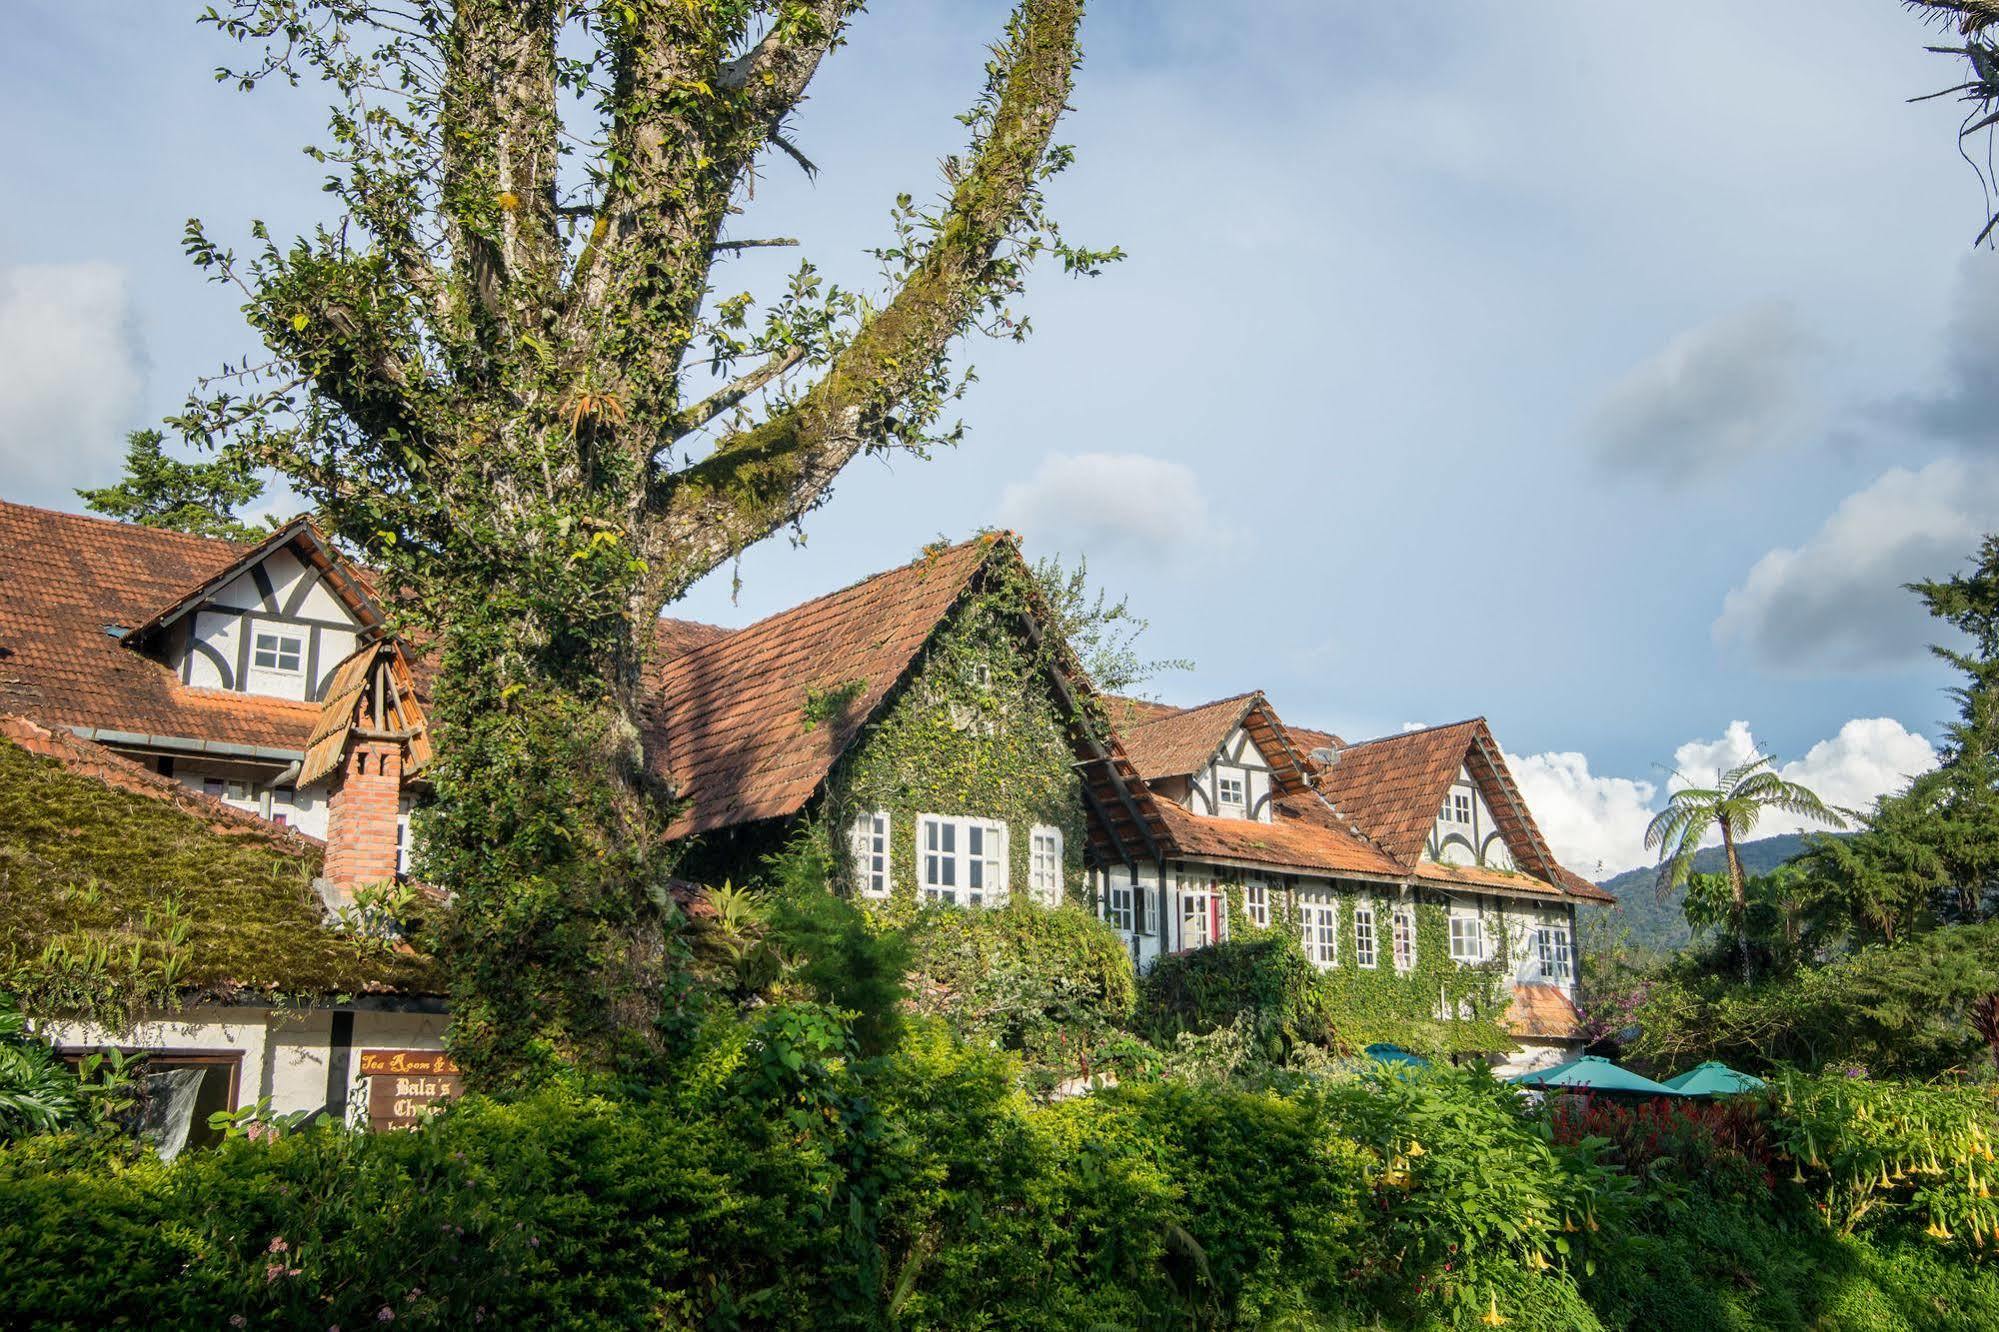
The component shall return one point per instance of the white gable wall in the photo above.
(293, 610)
(1240, 760)
(1462, 841)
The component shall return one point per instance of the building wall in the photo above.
(1473, 842)
(214, 648)
(284, 1053)
(976, 733)
(1238, 758)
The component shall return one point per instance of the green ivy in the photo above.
(1264, 969)
(975, 732)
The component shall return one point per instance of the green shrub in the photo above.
(1053, 986)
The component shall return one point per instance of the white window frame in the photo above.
(1457, 808)
(1319, 932)
(1195, 905)
(1404, 940)
(1467, 926)
(1119, 902)
(961, 861)
(282, 645)
(1552, 945)
(873, 839)
(1044, 864)
(1223, 777)
(1366, 947)
(1256, 903)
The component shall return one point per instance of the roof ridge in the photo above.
(1418, 730)
(952, 549)
(1179, 713)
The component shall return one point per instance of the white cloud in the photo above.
(1837, 601)
(1596, 823)
(1710, 397)
(71, 381)
(1870, 757)
(1094, 501)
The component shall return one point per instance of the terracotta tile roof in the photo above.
(1544, 1011)
(1125, 713)
(1478, 876)
(729, 725)
(671, 638)
(68, 585)
(1178, 742)
(1394, 786)
(1299, 838)
(1309, 740)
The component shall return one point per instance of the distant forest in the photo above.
(1657, 923)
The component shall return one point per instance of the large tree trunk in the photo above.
(1738, 893)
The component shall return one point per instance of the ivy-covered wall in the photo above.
(976, 732)
(1380, 1002)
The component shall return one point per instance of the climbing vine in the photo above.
(975, 732)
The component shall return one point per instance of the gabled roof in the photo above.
(1177, 743)
(1394, 788)
(1173, 744)
(1300, 836)
(71, 588)
(730, 726)
(313, 550)
(733, 727)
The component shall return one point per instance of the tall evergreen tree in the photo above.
(491, 374)
(198, 497)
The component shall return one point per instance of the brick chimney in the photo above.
(361, 817)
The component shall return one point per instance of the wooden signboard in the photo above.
(406, 1085)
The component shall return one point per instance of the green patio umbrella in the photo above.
(1714, 1079)
(1594, 1073)
(1395, 1054)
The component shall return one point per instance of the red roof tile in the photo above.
(1299, 838)
(69, 585)
(1178, 742)
(1395, 786)
(729, 729)
(1544, 1011)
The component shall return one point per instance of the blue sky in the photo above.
(1587, 369)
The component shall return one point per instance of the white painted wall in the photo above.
(284, 1052)
(1458, 843)
(239, 610)
(1239, 758)
(303, 810)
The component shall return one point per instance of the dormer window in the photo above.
(1229, 792)
(1457, 808)
(284, 653)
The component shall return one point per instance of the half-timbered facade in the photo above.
(922, 722)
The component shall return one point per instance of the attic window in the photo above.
(279, 652)
(1229, 791)
(1457, 807)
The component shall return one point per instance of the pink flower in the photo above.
(386, 1314)
(278, 1244)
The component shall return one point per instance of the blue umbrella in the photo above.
(1395, 1054)
(1594, 1073)
(1714, 1079)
